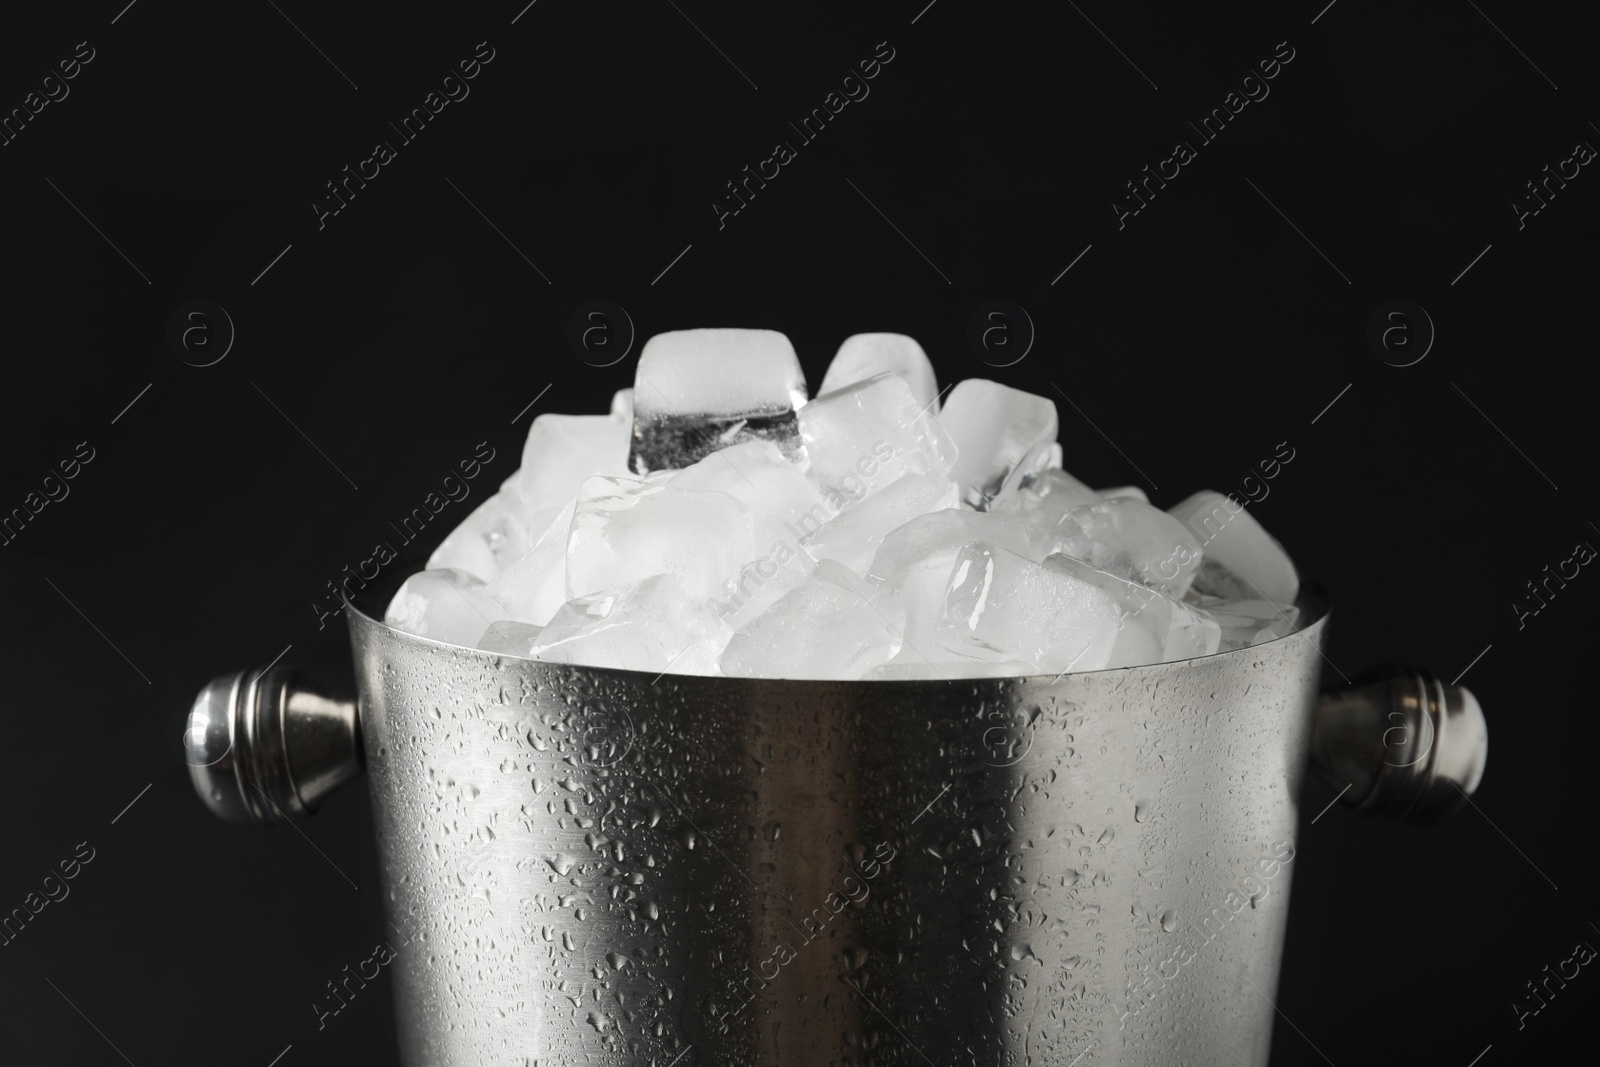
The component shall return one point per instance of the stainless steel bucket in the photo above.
(600, 866)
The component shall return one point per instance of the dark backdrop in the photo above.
(391, 338)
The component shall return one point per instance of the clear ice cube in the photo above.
(487, 541)
(1040, 502)
(1000, 605)
(696, 391)
(563, 450)
(834, 625)
(624, 530)
(914, 670)
(867, 354)
(871, 432)
(446, 605)
(855, 531)
(653, 624)
(1133, 540)
(915, 561)
(1245, 560)
(1176, 630)
(1001, 434)
(778, 494)
(509, 638)
(1246, 622)
(533, 587)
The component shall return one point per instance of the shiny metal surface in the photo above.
(604, 867)
(1401, 745)
(262, 747)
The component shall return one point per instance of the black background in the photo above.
(409, 329)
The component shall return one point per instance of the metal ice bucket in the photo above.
(600, 866)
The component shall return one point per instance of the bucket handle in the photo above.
(1399, 745)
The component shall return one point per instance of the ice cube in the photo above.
(446, 605)
(1246, 622)
(487, 541)
(509, 638)
(835, 625)
(1125, 492)
(915, 561)
(757, 473)
(624, 530)
(1133, 540)
(1040, 503)
(622, 407)
(563, 450)
(946, 669)
(1054, 461)
(696, 391)
(1001, 435)
(653, 624)
(1248, 561)
(532, 588)
(860, 523)
(1178, 631)
(873, 431)
(867, 354)
(1000, 605)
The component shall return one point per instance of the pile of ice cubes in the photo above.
(719, 522)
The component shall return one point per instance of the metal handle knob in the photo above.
(1400, 745)
(261, 747)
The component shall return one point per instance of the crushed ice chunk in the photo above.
(1133, 540)
(1246, 622)
(947, 669)
(446, 605)
(1000, 605)
(915, 561)
(488, 540)
(873, 431)
(622, 407)
(834, 625)
(1001, 434)
(510, 638)
(867, 354)
(1245, 560)
(653, 624)
(757, 473)
(563, 450)
(1040, 503)
(533, 587)
(858, 524)
(1125, 492)
(696, 391)
(1176, 630)
(624, 530)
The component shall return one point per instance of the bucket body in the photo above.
(601, 867)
